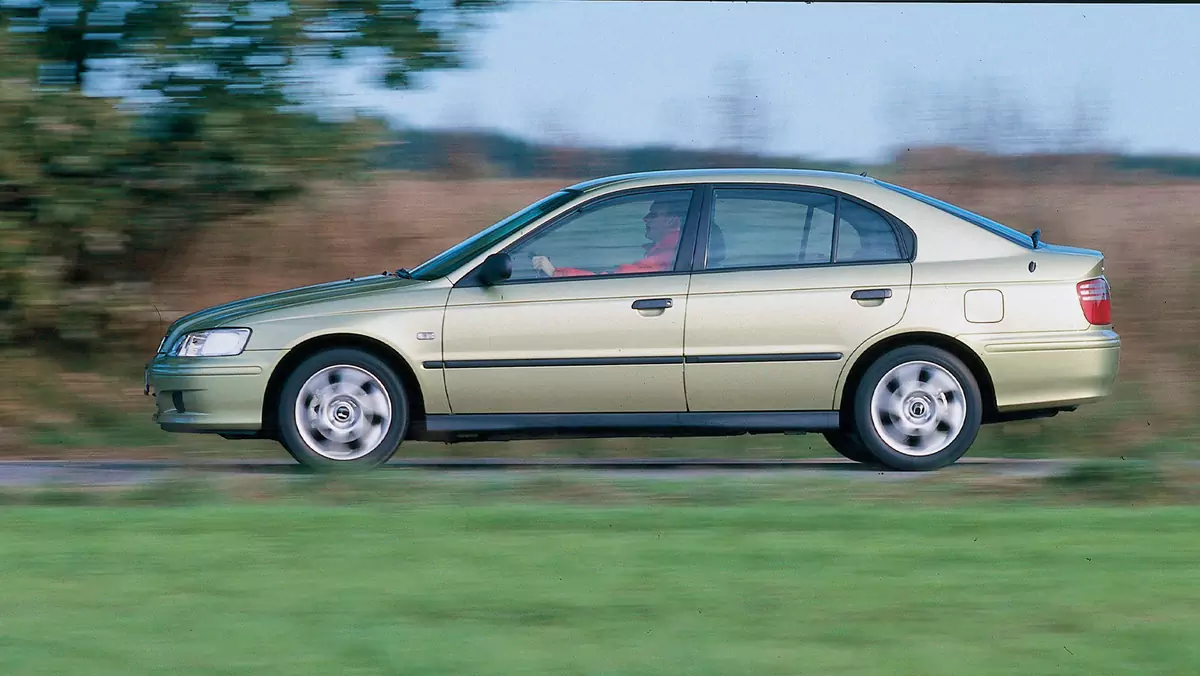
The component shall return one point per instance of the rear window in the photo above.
(984, 222)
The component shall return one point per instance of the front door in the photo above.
(793, 281)
(590, 322)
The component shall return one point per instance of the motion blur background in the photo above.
(159, 157)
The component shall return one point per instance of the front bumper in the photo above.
(210, 394)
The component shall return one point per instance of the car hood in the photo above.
(232, 312)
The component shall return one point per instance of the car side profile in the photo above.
(679, 303)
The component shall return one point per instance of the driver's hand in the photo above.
(543, 264)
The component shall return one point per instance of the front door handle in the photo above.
(652, 304)
(871, 294)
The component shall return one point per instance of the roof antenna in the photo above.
(1036, 237)
(863, 174)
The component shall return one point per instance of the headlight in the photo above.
(212, 343)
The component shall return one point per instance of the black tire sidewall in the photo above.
(880, 449)
(849, 446)
(290, 435)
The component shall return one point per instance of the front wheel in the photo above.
(918, 408)
(343, 409)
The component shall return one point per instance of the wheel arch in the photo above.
(987, 390)
(317, 344)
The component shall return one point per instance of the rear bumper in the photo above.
(211, 394)
(1049, 370)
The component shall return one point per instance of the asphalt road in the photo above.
(117, 472)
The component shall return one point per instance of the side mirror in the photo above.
(495, 268)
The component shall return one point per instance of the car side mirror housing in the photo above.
(495, 269)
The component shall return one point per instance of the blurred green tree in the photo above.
(127, 125)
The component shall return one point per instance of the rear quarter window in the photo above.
(865, 235)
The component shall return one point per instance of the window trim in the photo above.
(899, 228)
(687, 238)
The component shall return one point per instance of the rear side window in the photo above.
(773, 227)
(751, 228)
(865, 235)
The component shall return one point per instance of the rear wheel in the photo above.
(343, 409)
(850, 447)
(917, 408)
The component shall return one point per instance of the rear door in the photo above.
(788, 282)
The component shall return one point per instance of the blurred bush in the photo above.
(127, 126)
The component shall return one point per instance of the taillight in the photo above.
(1093, 298)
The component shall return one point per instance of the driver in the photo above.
(664, 222)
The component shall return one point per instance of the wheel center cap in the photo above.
(342, 413)
(919, 408)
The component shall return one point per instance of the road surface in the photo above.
(127, 472)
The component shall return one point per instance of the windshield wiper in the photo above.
(403, 273)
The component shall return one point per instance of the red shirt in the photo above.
(659, 258)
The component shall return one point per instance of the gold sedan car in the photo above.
(699, 302)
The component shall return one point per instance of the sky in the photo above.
(829, 77)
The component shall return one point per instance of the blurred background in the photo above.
(160, 157)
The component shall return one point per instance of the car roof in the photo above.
(649, 178)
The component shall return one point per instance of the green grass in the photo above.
(836, 586)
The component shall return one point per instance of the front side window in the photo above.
(449, 260)
(629, 234)
(758, 227)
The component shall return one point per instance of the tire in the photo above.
(931, 426)
(850, 447)
(342, 409)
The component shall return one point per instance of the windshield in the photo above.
(449, 260)
(969, 216)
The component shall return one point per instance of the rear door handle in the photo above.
(652, 304)
(871, 294)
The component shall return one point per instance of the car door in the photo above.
(603, 335)
(788, 283)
